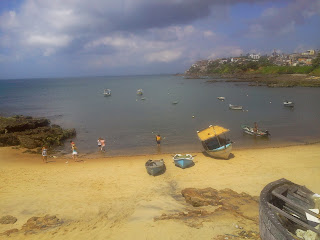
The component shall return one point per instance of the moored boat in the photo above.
(235, 107)
(183, 160)
(287, 211)
(214, 141)
(255, 132)
(107, 92)
(140, 92)
(221, 98)
(155, 167)
(288, 104)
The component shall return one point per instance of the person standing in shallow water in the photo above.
(158, 140)
(103, 144)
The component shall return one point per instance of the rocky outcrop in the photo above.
(35, 224)
(8, 219)
(31, 132)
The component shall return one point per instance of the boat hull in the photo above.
(221, 152)
(258, 133)
(183, 163)
(269, 223)
(155, 167)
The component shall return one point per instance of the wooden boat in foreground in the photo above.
(286, 211)
(214, 141)
(155, 167)
(183, 160)
(258, 133)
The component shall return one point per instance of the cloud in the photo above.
(225, 51)
(284, 20)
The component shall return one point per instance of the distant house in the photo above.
(223, 60)
(305, 61)
(235, 59)
(309, 53)
(255, 56)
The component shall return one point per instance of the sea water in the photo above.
(171, 106)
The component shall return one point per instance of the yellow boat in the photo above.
(214, 141)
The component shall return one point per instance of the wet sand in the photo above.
(115, 198)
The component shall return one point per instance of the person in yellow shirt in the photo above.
(158, 139)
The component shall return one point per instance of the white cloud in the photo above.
(226, 51)
(163, 56)
(49, 40)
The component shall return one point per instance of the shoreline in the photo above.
(115, 198)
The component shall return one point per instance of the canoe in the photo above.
(284, 211)
(259, 133)
(235, 107)
(215, 142)
(155, 167)
(183, 161)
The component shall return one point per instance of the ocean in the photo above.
(130, 122)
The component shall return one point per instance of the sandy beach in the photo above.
(115, 198)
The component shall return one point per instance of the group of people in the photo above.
(101, 146)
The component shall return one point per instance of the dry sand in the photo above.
(114, 198)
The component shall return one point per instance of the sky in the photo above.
(70, 38)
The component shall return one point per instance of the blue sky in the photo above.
(62, 38)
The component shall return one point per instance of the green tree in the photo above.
(316, 61)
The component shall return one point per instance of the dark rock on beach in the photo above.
(8, 219)
(9, 232)
(32, 132)
(35, 224)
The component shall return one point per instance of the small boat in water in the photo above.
(255, 132)
(107, 92)
(155, 167)
(221, 98)
(183, 160)
(235, 107)
(288, 211)
(288, 104)
(139, 92)
(214, 141)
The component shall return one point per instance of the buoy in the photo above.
(192, 116)
(270, 102)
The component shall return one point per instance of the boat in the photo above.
(251, 131)
(155, 167)
(214, 141)
(183, 160)
(175, 102)
(221, 98)
(107, 92)
(288, 210)
(139, 92)
(288, 104)
(235, 107)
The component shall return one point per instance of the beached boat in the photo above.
(155, 167)
(288, 104)
(107, 92)
(221, 98)
(214, 141)
(183, 160)
(251, 131)
(288, 211)
(235, 107)
(139, 92)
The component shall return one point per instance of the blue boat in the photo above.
(155, 167)
(183, 161)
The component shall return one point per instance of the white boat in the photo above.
(235, 107)
(214, 144)
(107, 92)
(288, 104)
(255, 132)
(183, 160)
(139, 92)
(221, 98)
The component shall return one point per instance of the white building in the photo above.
(254, 56)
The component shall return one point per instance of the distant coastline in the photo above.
(260, 79)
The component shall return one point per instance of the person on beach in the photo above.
(44, 154)
(158, 140)
(99, 143)
(255, 128)
(72, 144)
(103, 144)
(74, 153)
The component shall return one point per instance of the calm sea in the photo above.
(129, 122)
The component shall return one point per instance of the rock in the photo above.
(8, 219)
(8, 232)
(32, 133)
(201, 197)
(41, 223)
